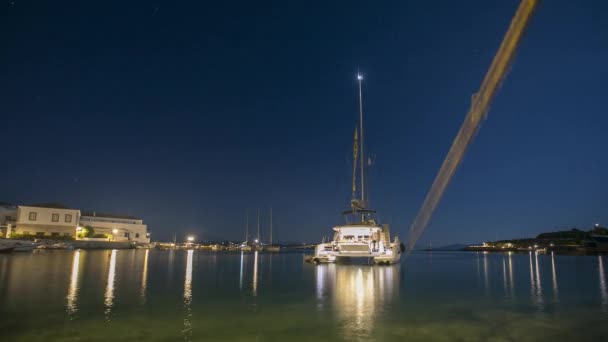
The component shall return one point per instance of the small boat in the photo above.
(56, 246)
(6, 249)
(245, 246)
(271, 247)
(24, 248)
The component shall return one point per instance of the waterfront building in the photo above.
(8, 219)
(45, 220)
(117, 227)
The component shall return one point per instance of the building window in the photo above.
(67, 234)
(126, 235)
(33, 216)
(68, 217)
(137, 235)
(39, 234)
(54, 234)
(55, 218)
(26, 233)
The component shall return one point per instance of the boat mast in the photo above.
(246, 227)
(355, 156)
(270, 226)
(360, 78)
(258, 225)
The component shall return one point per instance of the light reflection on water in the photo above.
(109, 294)
(188, 297)
(359, 292)
(348, 302)
(255, 274)
(554, 278)
(73, 289)
(144, 278)
(603, 290)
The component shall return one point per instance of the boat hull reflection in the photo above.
(358, 294)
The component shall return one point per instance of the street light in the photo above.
(114, 231)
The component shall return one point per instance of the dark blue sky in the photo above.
(187, 114)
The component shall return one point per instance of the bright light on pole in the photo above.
(190, 238)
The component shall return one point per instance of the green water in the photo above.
(206, 296)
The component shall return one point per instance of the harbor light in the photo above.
(359, 77)
(190, 238)
(256, 241)
(114, 231)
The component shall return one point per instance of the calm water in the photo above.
(193, 295)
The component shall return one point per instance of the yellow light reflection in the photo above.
(73, 289)
(109, 294)
(144, 278)
(188, 297)
(359, 295)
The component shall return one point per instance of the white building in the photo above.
(45, 220)
(8, 219)
(119, 227)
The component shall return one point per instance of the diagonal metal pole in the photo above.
(479, 107)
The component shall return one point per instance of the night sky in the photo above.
(188, 114)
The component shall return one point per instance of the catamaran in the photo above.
(361, 236)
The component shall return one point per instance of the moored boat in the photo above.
(361, 236)
(6, 249)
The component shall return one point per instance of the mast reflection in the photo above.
(73, 289)
(241, 274)
(554, 277)
(535, 284)
(188, 297)
(603, 290)
(359, 294)
(144, 278)
(255, 274)
(109, 294)
(486, 282)
(511, 275)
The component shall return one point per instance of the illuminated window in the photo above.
(32, 216)
(39, 233)
(55, 218)
(54, 234)
(68, 217)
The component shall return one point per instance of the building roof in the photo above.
(50, 205)
(117, 216)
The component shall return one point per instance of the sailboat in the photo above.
(271, 247)
(361, 236)
(245, 247)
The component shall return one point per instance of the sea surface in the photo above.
(154, 295)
